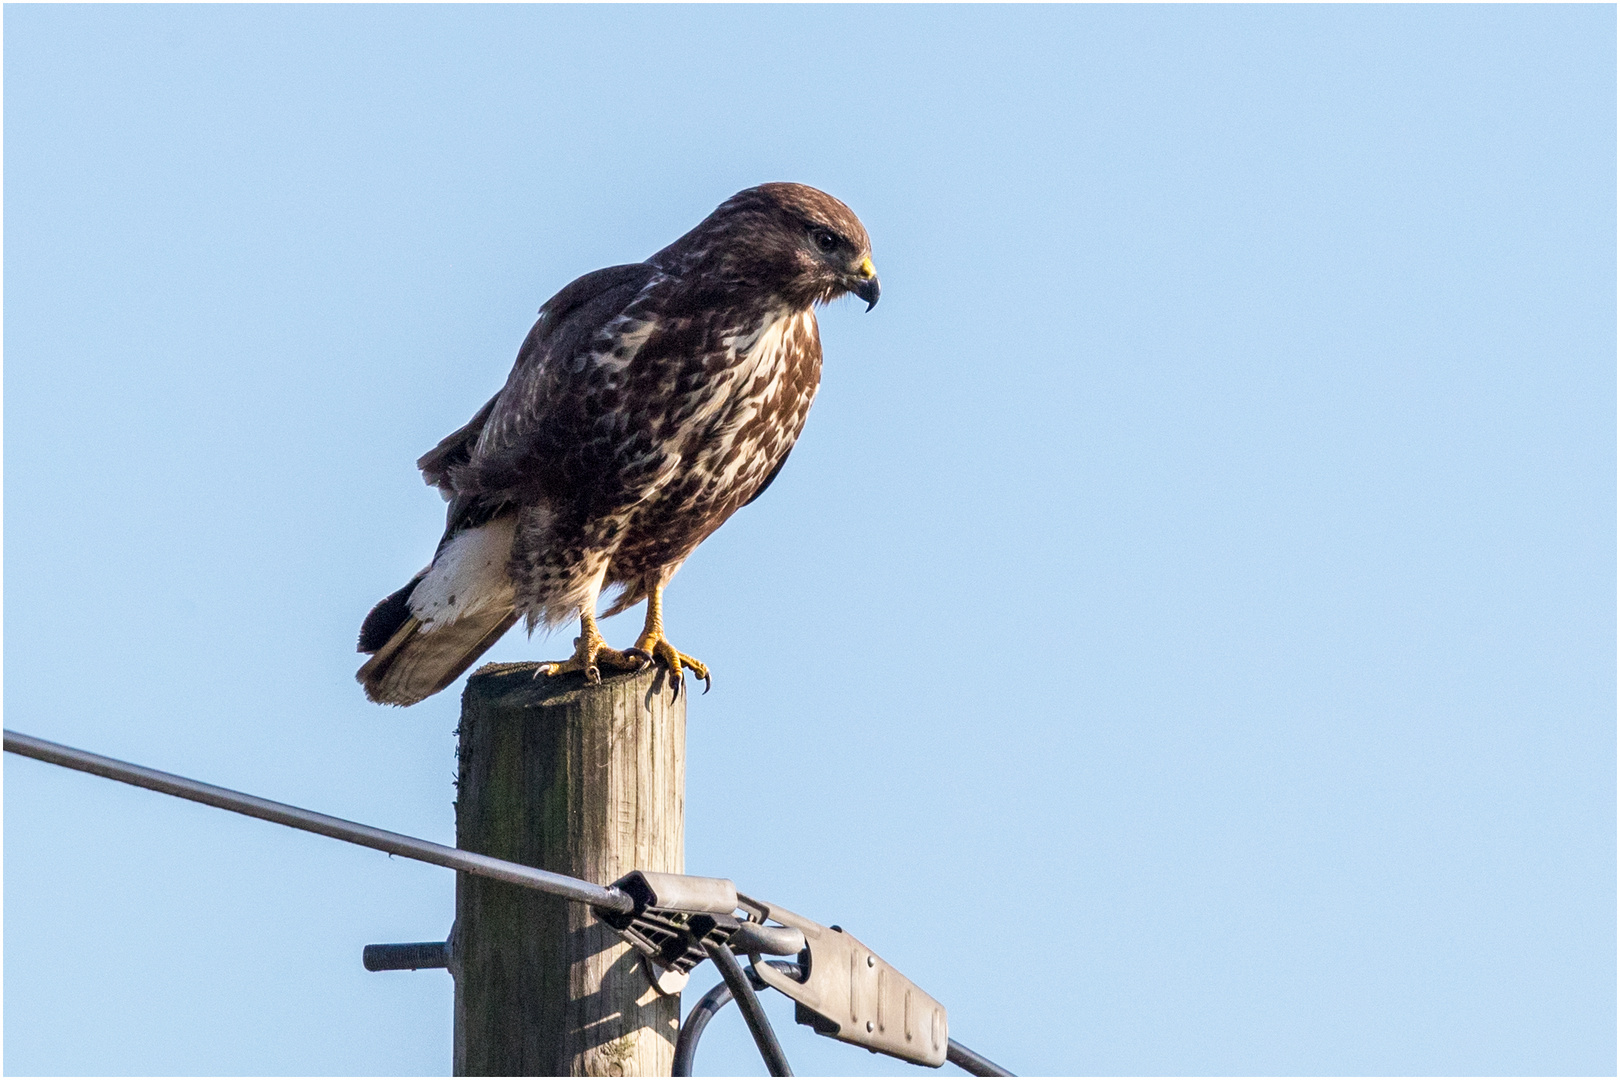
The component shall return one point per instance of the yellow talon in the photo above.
(665, 653)
(653, 643)
(591, 654)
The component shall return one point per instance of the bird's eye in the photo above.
(826, 240)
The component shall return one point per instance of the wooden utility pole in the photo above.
(583, 780)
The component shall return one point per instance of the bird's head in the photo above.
(800, 243)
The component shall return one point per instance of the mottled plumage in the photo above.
(647, 405)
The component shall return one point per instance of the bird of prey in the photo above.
(649, 403)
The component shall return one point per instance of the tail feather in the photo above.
(415, 663)
(384, 620)
(426, 634)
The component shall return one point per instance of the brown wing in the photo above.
(557, 329)
(563, 425)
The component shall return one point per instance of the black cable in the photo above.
(716, 999)
(686, 1043)
(759, 1025)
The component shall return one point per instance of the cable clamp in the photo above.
(851, 994)
(674, 916)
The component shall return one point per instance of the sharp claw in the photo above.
(707, 684)
(593, 674)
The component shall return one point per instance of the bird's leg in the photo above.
(591, 654)
(653, 642)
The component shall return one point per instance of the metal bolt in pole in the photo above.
(406, 956)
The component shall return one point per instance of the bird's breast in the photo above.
(751, 411)
(763, 401)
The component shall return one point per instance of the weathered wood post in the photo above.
(582, 780)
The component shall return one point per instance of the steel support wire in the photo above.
(309, 821)
(719, 997)
(759, 1025)
(970, 1062)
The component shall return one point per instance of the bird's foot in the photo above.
(658, 647)
(591, 655)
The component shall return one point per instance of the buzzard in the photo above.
(649, 403)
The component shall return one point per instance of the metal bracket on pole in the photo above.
(853, 995)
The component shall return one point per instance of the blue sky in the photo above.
(1183, 639)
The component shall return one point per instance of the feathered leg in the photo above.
(652, 641)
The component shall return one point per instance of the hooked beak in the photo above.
(866, 283)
